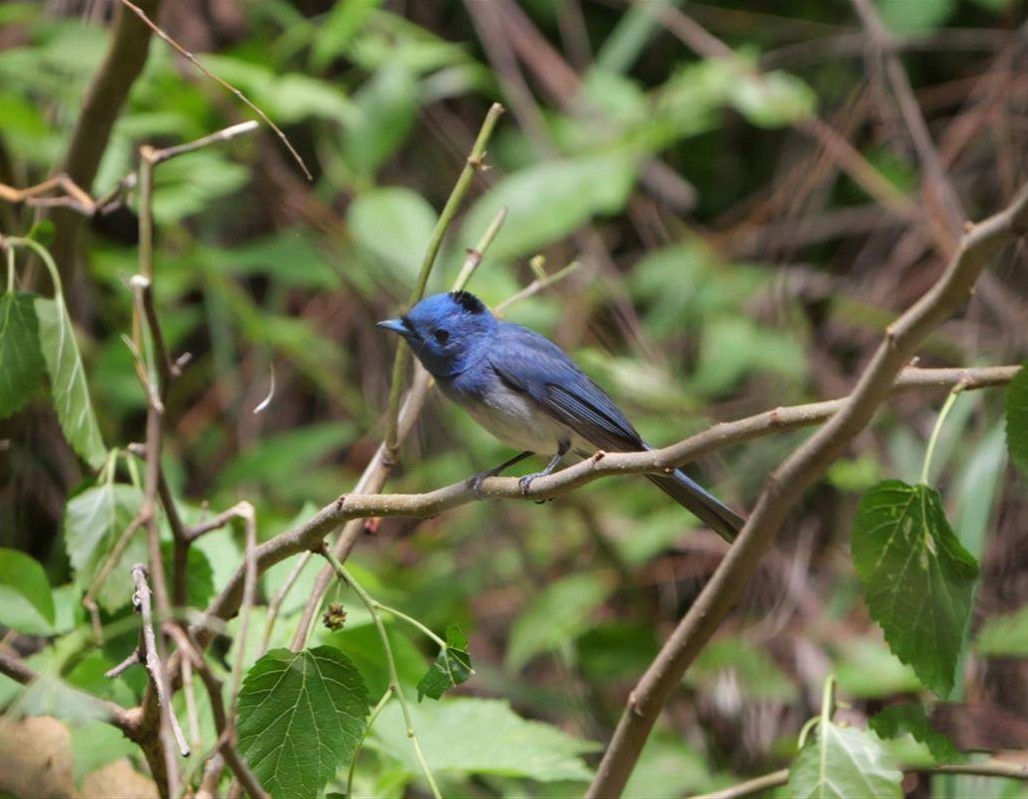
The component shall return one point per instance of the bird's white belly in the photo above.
(518, 422)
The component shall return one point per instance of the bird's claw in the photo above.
(525, 483)
(476, 480)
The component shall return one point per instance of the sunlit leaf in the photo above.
(451, 668)
(26, 603)
(94, 745)
(843, 763)
(385, 111)
(896, 720)
(395, 224)
(481, 736)
(93, 521)
(773, 99)
(1017, 420)
(550, 200)
(917, 577)
(21, 363)
(68, 381)
(301, 716)
(342, 23)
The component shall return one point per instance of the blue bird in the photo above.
(527, 392)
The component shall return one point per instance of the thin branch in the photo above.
(394, 680)
(883, 47)
(475, 163)
(991, 768)
(377, 471)
(223, 723)
(787, 484)
(141, 600)
(249, 517)
(224, 84)
(357, 506)
(125, 720)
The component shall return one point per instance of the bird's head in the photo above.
(447, 332)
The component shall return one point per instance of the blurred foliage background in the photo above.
(746, 222)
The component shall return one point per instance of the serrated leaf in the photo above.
(843, 763)
(1005, 635)
(896, 720)
(481, 736)
(917, 577)
(26, 602)
(301, 716)
(451, 668)
(1017, 420)
(68, 381)
(21, 362)
(93, 522)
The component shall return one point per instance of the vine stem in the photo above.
(413, 622)
(360, 744)
(394, 679)
(475, 163)
(930, 451)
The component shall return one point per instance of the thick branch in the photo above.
(787, 484)
(309, 535)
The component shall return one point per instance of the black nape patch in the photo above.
(468, 301)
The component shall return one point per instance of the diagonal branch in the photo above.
(308, 536)
(785, 487)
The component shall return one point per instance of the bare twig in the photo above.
(991, 768)
(125, 720)
(223, 724)
(130, 661)
(108, 91)
(790, 480)
(246, 512)
(224, 84)
(141, 600)
(937, 185)
(356, 506)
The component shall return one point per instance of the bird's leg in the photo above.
(562, 450)
(475, 481)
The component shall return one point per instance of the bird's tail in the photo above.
(711, 511)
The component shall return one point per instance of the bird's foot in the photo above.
(525, 483)
(476, 480)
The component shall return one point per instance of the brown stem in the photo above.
(787, 485)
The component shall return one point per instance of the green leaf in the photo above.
(896, 720)
(917, 577)
(1017, 420)
(362, 644)
(94, 745)
(93, 521)
(1005, 635)
(199, 575)
(395, 224)
(844, 763)
(907, 17)
(558, 615)
(21, 362)
(751, 667)
(451, 668)
(339, 28)
(68, 381)
(26, 604)
(301, 716)
(548, 201)
(481, 736)
(386, 107)
(668, 769)
(773, 99)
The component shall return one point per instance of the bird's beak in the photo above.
(395, 325)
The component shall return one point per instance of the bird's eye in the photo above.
(442, 336)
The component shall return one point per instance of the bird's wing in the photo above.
(534, 365)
